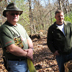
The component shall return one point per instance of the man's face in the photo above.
(12, 16)
(59, 18)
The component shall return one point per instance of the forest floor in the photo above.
(44, 61)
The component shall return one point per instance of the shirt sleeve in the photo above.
(27, 36)
(6, 37)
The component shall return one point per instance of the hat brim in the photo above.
(4, 12)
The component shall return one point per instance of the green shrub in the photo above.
(67, 18)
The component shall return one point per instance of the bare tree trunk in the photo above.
(30, 16)
(67, 6)
(51, 17)
(60, 4)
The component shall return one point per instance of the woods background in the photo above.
(38, 15)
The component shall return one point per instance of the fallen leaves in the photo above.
(44, 60)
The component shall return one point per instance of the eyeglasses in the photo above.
(14, 14)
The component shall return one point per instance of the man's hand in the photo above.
(29, 53)
(56, 53)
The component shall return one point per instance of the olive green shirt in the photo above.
(7, 34)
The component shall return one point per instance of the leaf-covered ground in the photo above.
(44, 61)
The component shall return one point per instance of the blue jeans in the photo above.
(17, 66)
(61, 59)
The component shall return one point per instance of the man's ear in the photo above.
(6, 14)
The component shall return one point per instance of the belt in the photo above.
(16, 59)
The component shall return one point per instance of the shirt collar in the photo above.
(7, 23)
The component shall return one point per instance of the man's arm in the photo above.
(30, 44)
(15, 50)
(30, 50)
(50, 42)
